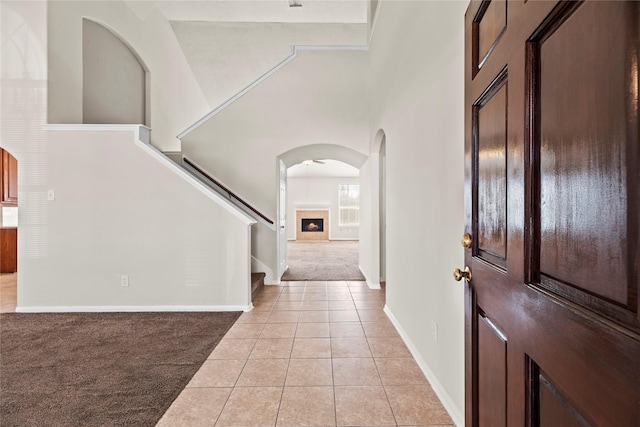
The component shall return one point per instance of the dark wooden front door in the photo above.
(552, 208)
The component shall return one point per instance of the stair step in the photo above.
(257, 283)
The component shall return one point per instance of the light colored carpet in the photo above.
(333, 260)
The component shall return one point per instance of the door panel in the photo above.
(490, 125)
(551, 406)
(488, 25)
(551, 195)
(492, 374)
(587, 136)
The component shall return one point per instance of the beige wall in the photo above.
(416, 92)
(227, 56)
(318, 98)
(310, 192)
(176, 100)
(117, 211)
(113, 79)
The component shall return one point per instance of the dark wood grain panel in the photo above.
(8, 250)
(588, 139)
(554, 409)
(549, 406)
(489, 24)
(586, 345)
(492, 374)
(491, 190)
(8, 178)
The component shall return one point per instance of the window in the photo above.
(349, 205)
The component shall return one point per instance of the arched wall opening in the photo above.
(373, 249)
(380, 148)
(294, 157)
(114, 78)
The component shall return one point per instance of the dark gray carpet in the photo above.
(100, 369)
(333, 260)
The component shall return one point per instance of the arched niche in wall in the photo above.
(113, 78)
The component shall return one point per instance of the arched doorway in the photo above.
(382, 208)
(379, 219)
(297, 156)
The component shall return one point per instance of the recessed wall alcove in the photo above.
(114, 78)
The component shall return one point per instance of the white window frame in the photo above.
(342, 207)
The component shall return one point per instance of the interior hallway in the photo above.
(310, 354)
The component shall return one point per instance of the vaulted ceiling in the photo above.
(311, 11)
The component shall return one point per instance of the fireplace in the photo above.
(313, 225)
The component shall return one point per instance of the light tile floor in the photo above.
(310, 354)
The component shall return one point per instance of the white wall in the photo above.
(227, 56)
(367, 236)
(113, 79)
(322, 193)
(318, 98)
(176, 98)
(116, 212)
(416, 85)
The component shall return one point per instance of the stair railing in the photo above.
(221, 189)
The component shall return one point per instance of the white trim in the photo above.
(437, 386)
(130, 308)
(80, 127)
(310, 206)
(294, 52)
(346, 239)
(210, 193)
(269, 278)
(372, 285)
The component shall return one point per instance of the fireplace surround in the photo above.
(312, 225)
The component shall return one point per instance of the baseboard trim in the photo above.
(129, 308)
(372, 285)
(437, 386)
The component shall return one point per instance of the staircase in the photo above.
(257, 283)
(257, 279)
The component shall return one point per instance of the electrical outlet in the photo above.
(51, 195)
(434, 331)
(124, 281)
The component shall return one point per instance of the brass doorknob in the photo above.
(466, 240)
(459, 274)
